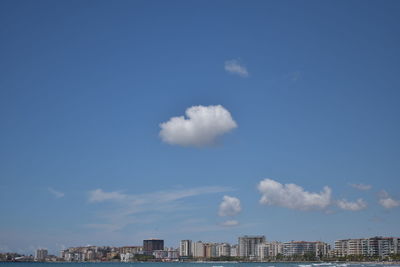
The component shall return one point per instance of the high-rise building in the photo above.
(248, 245)
(223, 250)
(185, 248)
(151, 245)
(262, 251)
(234, 251)
(41, 254)
(275, 248)
(210, 250)
(268, 249)
(198, 250)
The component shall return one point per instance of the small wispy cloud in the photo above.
(99, 195)
(386, 201)
(230, 223)
(360, 204)
(234, 67)
(295, 76)
(361, 187)
(150, 206)
(56, 193)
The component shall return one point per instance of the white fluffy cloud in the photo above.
(201, 127)
(233, 66)
(387, 201)
(360, 204)
(362, 187)
(292, 196)
(230, 223)
(229, 206)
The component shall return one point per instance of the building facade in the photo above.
(41, 254)
(223, 250)
(185, 248)
(234, 251)
(151, 245)
(210, 250)
(368, 247)
(248, 246)
(318, 249)
(198, 250)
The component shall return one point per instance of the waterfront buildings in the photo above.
(41, 254)
(173, 254)
(317, 249)
(223, 250)
(97, 253)
(269, 250)
(248, 245)
(248, 248)
(185, 248)
(275, 248)
(370, 247)
(210, 250)
(262, 251)
(151, 245)
(234, 251)
(198, 250)
(131, 249)
(126, 257)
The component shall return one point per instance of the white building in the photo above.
(126, 257)
(234, 251)
(160, 254)
(223, 250)
(41, 254)
(248, 246)
(374, 246)
(262, 251)
(198, 250)
(275, 248)
(318, 249)
(173, 254)
(185, 248)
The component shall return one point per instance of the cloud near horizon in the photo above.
(359, 204)
(203, 125)
(234, 67)
(292, 196)
(230, 223)
(361, 187)
(386, 201)
(99, 195)
(126, 206)
(230, 206)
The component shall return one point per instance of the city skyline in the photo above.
(206, 120)
(248, 248)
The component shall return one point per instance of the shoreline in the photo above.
(304, 263)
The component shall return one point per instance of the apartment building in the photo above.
(248, 245)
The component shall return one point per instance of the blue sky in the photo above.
(275, 93)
